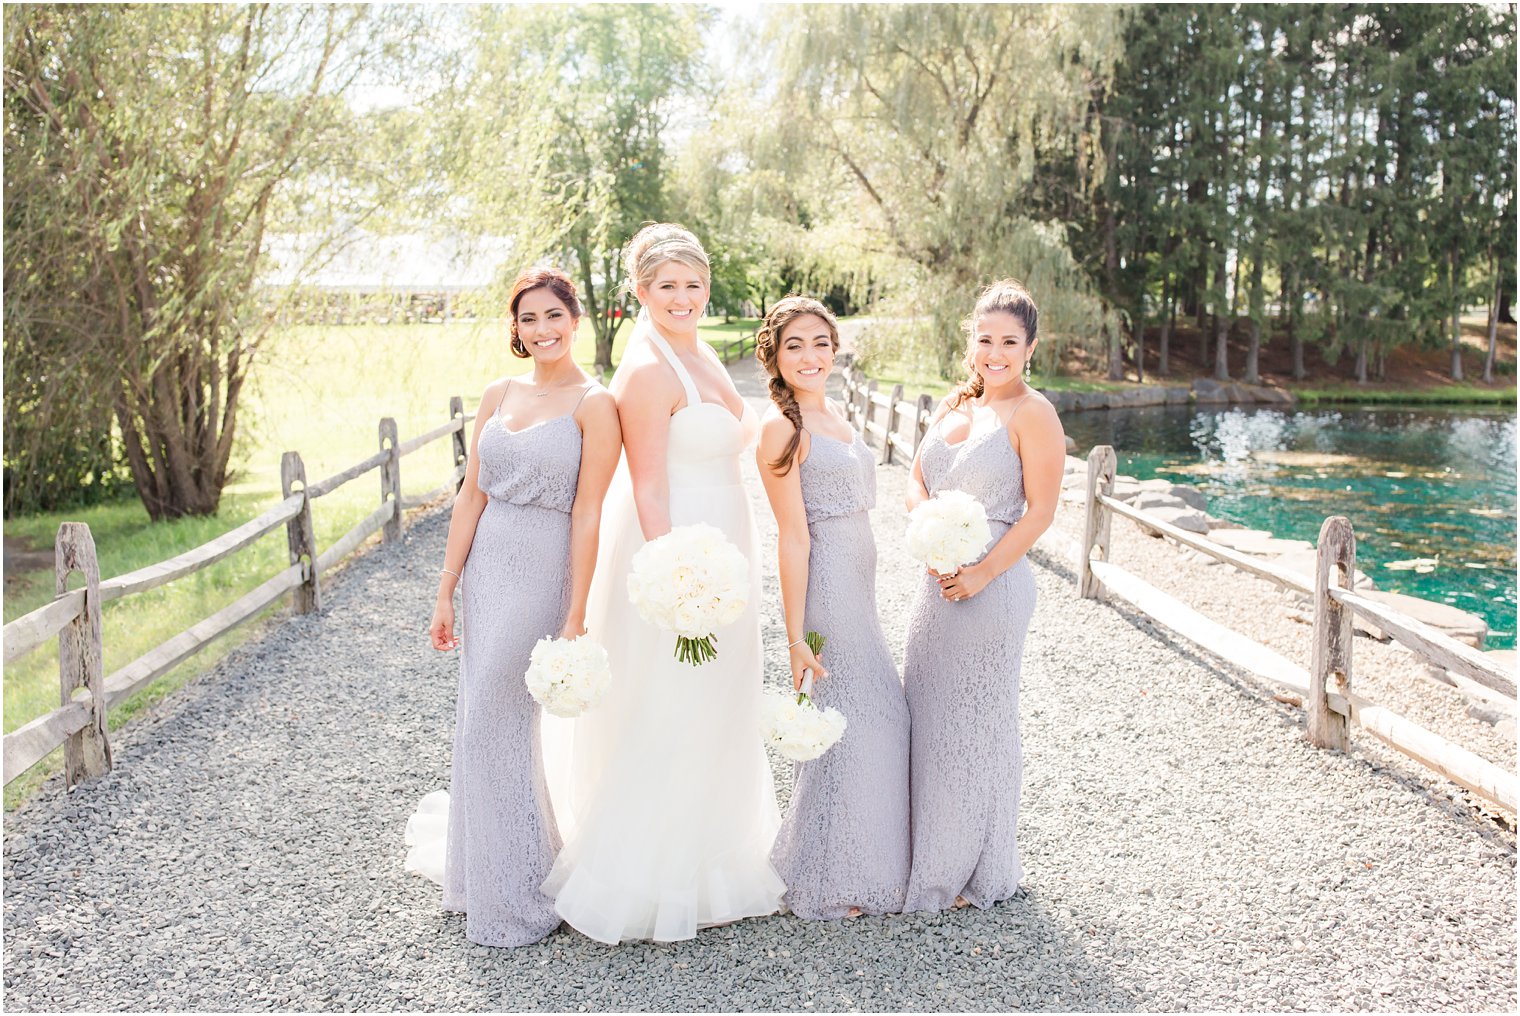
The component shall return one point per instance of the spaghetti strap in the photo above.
(584, 392)
(692, 397)
(1020, 406)
(496, 413)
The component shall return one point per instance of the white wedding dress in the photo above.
(662, 791)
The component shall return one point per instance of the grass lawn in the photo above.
(318, 390)
(1449, 394)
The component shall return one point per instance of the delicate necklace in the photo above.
(545, 393)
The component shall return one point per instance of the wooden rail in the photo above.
(737, 349)
(73, 616)
(1326, 687)
(903, 427)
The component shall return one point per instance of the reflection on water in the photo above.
(1431, 492)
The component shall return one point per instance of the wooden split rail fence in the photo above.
(736, 349)
(903, 422)
(74, 616)
(1326, 687)
(899, 425)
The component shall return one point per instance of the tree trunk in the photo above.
(1168, 318)
(1115, 353)
(1493, 330)
(1361, 361)
(1253, 352)
(1221, 347)
(1505, 314)
(1456, 344)
(1139, 319)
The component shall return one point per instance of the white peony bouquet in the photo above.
(793, 725)
(948, 530)
(690, 582)
(568, 676)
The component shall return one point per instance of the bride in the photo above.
(666, 798)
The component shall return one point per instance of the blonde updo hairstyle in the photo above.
(1006, 296)
(768, 347)
(657, 243)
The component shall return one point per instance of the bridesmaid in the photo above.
(843, 847)
(999, 440)
(522, 545)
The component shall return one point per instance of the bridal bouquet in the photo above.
(568, 676)
(794, 726)
(691, 581)
(948, 530)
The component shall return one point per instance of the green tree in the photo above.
(579, 103)
(144, 149)
(937, 117)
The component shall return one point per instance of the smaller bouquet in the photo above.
(568, 676)
(948, 530)
(690, 582)
(793, 725)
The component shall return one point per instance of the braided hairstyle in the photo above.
(1006, 296)
(767, 348)
(551, 279)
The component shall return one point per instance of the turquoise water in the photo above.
(1429, 491)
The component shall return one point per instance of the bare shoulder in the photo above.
(1038, 421)
(643, 380)
(775, 430)
(598, 405)
(492, 396)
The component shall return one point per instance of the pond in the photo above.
(1429, 490)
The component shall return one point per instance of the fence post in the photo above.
(87, 753)
(886, 443)
(460, 447)
(1335, 563)
(299, 536)
(867, 410)
(849, 394)
(1101, 466)
(390, 478)
(921, 419)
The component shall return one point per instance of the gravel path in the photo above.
(1186, 849)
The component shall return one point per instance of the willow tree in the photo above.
(936, 118)
(579, 101)
(144, 147)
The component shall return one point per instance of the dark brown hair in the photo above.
(768, 346)
(552, 279)
(1006, 296)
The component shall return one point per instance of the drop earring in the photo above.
(1027, 372)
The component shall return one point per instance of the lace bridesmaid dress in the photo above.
(515, 589)
(844, 842)
(962, 681)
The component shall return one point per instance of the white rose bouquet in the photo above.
(793, 725)
(568, 676)
(948, 530)
(690, 582)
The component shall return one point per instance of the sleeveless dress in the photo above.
(501, 836)
(669, 807)
(962, 679)
(845, 840)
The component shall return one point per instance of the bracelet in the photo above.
(797, 643)
(453, 573)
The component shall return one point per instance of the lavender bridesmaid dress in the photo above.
(962, 681)
(844, 842)
(502, 837)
